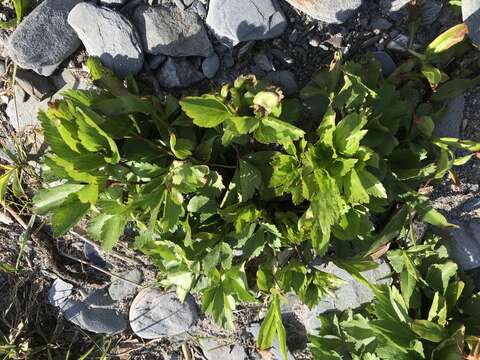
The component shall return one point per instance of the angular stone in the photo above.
(108, 35)
(329, 11)
(388, 65)
(450, 124)
(59, 293)
(172, 31)
(430, 11)
(22, 110)
(471, 15)
(34, 84)
(113, 3)
(44, 39)
(210, 66)
(216, 350)
(393, 5)
(285, 80)
(234, 21)
(120, 289)
(155, 314)
(464, 243)
(178, 73)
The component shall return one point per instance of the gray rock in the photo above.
(399, 43)
(234, 21)
(430, 11)
(471, 15)
(178, 73)
(450, 125)
(350, 295)
(120, 289)
(215, 350)
(3, 44)
(393, 5)
(329, 11)
(95, 314)
(72, 79)
(285, 80)
(210, 66)
(59, 293)
(388, 65)
(464, 243)
(34, 84)
(381, 24)
(44, 39)
(172, 31)
(155, 314)
(108, 35)
(263, 62)
(112, 3)
(156, 61)
(22, 110)
(254, 329)
(2, 67)
(93, 255)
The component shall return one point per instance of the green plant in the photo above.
(234, 194)
(20, 7)
(429, 313)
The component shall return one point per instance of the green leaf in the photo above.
(349, 133)
(21, 7)
(220, 254)
(439, 275)
(372, 184)
(426, 125)
(432, 74)
(181, 148)
(4, 181)
(429, 331)
(107, 229)
(272, 130)
(47, 200)
(250, 180)
(220, 305)
(272, 325)
(68, 214)
(207, 111)
(354, 190)
(453, 88)
(447, 39)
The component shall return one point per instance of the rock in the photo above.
(263, 62)
(44, 39)
(108, 35)
(350, 295)
(74, 79)
(178, 73)
(112, 3)
(254, 329)
(34, 84)
(22, 110)
(156, 61)
(464, 244)
(471, 15)
(430, 11)
(393, 5)
(95, 314)
(399, 43)
(172, 31)
(215, 350)
(155, 314)
(94, 256)
(120, 289)
(388, 65)
(2, 67)
(450, 124)
(380, 24)
(59, 293)
(283, 79)
(329, 11)
(234, 21)
(3, 44)
(210, 66)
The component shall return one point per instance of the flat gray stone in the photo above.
(388, 65)
(464, 243)
(108, 35)
(178, 73)
(154, 61)
(22, 110)
(263, 62)
(329, 11)
(234, 21)
(95, 314)
(44, 39)
(210, 66)
(120, 289)
(216, 350)
(451, 123)
(285, 80)
(430, 11)
(59, 293)
(171, 31)
(471, 15)
(155, 314)
(34, 84)
(93, 255)
(350, 295)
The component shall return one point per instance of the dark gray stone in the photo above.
(172, 31)
(329, 11)
(216, 350)
(464, 244)
(108, 35)
(388, 65)
(263, 62)
(450, 125)
(155, 61)
(210, 66)
(178, 73)
(93, 255)
(234, 21)
(59, 293)
(34, 84)
(155, 314)
(430, 11)
(393, 5)
(44, 39)
(381, 24)
(471, 15)
(120, 289)
(285, 80)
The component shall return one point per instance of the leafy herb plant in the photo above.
(234, 194)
